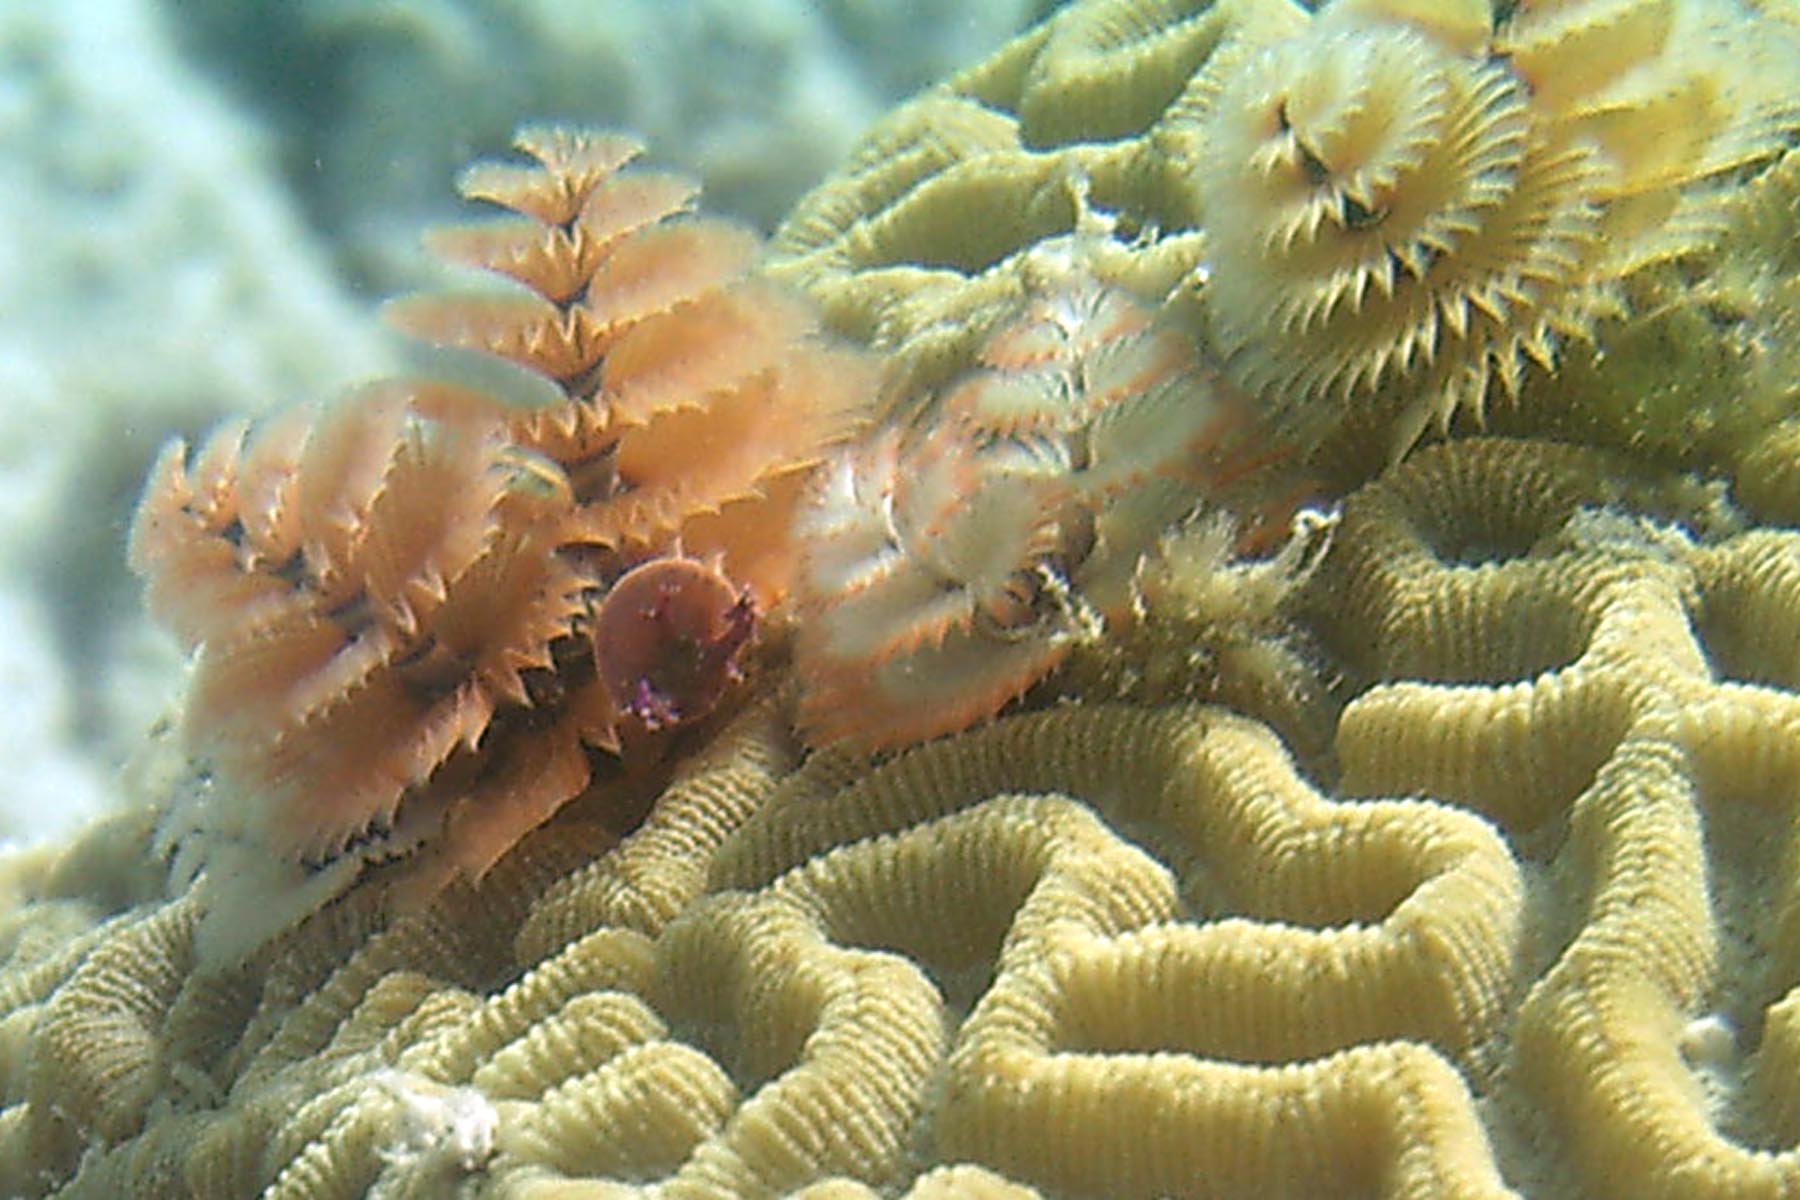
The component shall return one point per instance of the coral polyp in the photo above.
(366, 588)
(1406, 215)
(1382, 209)
(1389, 219)
(423, 614)
(690, 395)
(927, 596)
(952, 560)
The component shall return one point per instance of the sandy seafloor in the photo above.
(203, 201)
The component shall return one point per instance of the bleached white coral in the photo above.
(436, 1127)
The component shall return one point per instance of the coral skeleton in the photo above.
(435, 1126)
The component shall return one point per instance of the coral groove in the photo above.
(615, 769)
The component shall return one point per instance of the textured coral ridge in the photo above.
(1506, 906)
(421, 614)
(1379, 217)
(1092, 951)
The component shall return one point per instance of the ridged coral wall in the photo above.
(1535, 941)
(1477, 878)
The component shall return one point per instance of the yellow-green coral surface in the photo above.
(1534, 933)
(1500, 898)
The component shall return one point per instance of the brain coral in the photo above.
(1725, 323)
(1477, 879)
(1096, 951)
